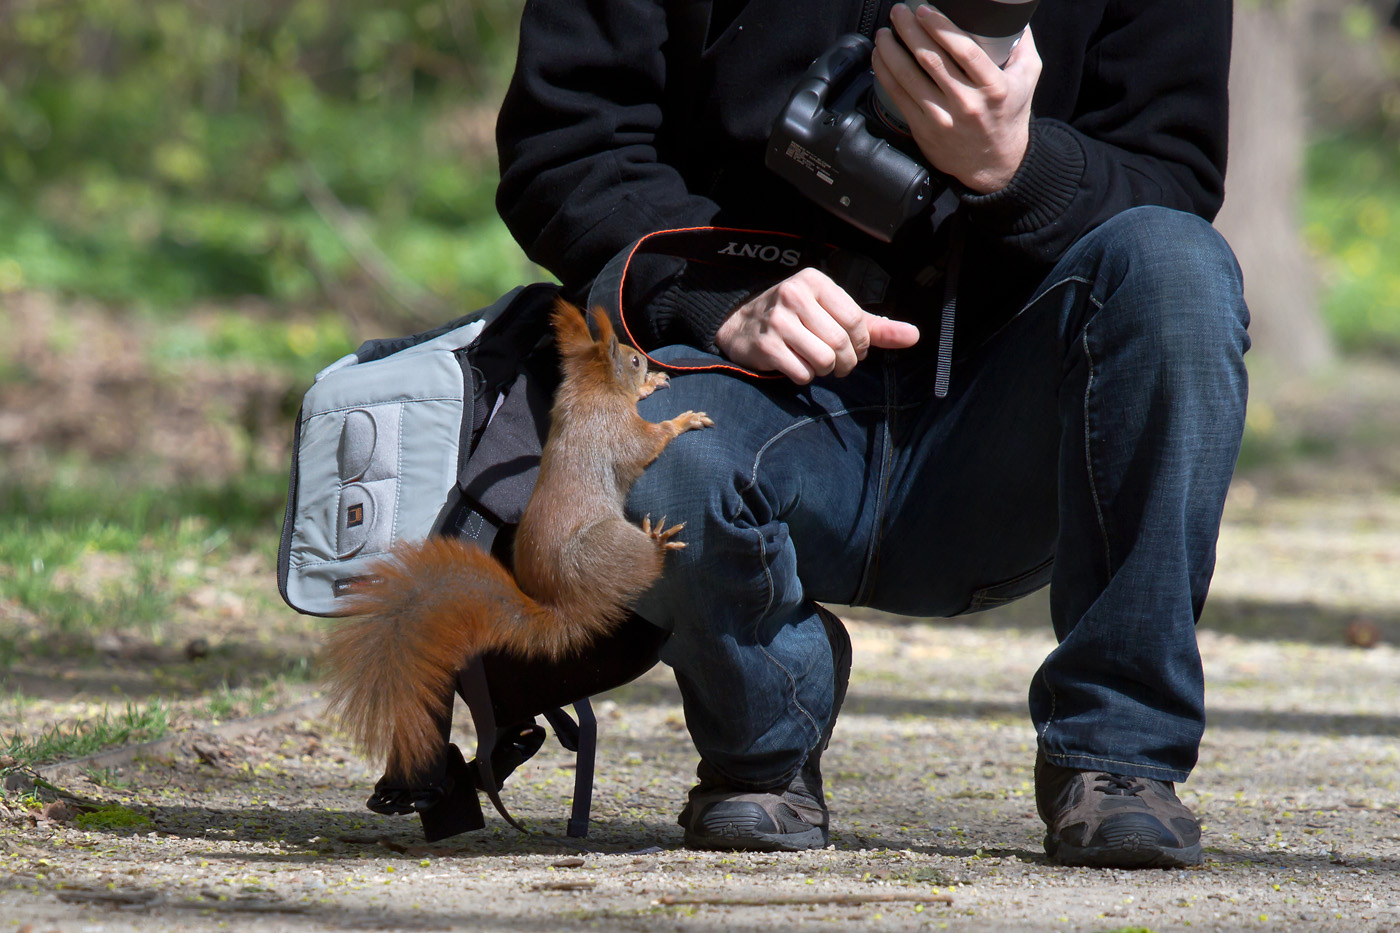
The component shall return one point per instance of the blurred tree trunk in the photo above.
(1261, 217)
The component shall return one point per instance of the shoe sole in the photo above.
(740, 833)
(1124, 854)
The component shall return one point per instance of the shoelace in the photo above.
(1119, 785)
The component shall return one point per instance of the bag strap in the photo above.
(581, 738)
(471, 683)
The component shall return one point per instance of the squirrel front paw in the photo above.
(663, 538)
(653, 382)
(694, 420)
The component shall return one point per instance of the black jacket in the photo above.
(629, 116)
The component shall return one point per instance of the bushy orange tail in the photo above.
(389, 668)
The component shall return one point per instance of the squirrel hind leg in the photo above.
(609, 566)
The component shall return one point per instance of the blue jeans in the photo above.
(1088, 444)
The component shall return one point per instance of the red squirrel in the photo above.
(579, 562)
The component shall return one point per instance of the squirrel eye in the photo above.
(636, 361)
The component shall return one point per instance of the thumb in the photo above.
(891, 335)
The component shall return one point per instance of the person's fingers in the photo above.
(927, 53)
(1024, 65)
(903, 77)
(807, 326)
(891, 334)
(813, 348)
(898, 96)
(840, 305)
(785, 361)
(969, 60)
(828, 312)
(837, 354)
(838, 321)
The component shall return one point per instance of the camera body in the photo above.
(824, 144)
(841, 142)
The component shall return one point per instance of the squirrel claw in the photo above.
(653, 382)
(663, 538)
(697, 419)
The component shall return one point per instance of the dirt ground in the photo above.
(929, 783)
(258, 824)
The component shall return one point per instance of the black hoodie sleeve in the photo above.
(1148, 125)
(577, 133)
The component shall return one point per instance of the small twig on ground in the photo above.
(808, 899)
(564, 886)
(111, 898)
(248, 905)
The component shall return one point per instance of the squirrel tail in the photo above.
(389, 668)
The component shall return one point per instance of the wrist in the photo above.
(1047, 180)
(994, 177)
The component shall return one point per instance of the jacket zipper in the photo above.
(869, 11)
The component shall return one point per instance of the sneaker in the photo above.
(719, 816)
(1111, 821)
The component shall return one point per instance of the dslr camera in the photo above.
(843, 144)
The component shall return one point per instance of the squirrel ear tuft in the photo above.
(603, 325)
(570, 329)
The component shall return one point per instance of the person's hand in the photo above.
(970, 118)
(807, 326)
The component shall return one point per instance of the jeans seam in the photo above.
(762, 551)
(1114, 761)
(1036, 299)
(791, 680)
(1088, 450)
(817, 419)
(792, 688)
(1050, 716)
(872, 555)
(1093, 486)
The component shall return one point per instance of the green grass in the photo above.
(227, 702)
(110, 514)
(112, 818)
(59, 743)
(92, 557)
(1352, 217)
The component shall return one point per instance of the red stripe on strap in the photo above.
(622, 314)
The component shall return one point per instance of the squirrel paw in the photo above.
(663, 538)
(694, 420)
(653, 382)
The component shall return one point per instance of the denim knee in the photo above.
(699, 480)
(1168, 283)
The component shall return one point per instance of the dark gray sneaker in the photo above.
(720, 816)
(1110, 821)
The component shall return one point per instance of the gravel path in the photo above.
(929, 783)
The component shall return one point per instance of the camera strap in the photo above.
(943, 371)
(770, 255)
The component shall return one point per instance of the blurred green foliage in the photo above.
(1352, 217)
(159, 152)
(57, 533)
(296, 347)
